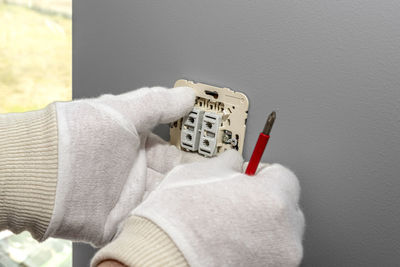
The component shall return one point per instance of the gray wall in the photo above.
(331, 69)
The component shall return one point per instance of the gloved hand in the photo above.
(108, 159)
(216, 216)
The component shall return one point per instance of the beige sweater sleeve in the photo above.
(28, 170)
(28, 180)
(141, 243)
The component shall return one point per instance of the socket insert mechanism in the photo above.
(190, 134)
(209, 134)
(216, 123)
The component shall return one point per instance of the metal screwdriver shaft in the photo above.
(260, 145)
(269, 123)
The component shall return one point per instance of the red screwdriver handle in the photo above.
(257, 154)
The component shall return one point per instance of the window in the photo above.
(35, 70)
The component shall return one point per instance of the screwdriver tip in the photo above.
(272, 115)
(269, 123)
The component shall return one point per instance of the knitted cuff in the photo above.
(141, 243)
(28, 170)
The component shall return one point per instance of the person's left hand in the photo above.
(109, 159)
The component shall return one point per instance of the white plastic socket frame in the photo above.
(216, 123)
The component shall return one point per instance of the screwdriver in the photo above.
(260, 145)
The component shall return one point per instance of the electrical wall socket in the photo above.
(216, 123)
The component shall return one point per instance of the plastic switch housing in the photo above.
(209, 134)
(190, 134)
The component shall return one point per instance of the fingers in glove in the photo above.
(152, 106)
(229, 159)
(161, 156)
(280, 178)
(220, 167)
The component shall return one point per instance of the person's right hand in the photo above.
(109, 160)
(218, 216)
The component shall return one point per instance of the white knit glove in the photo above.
(218, 216)
(108, 159)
